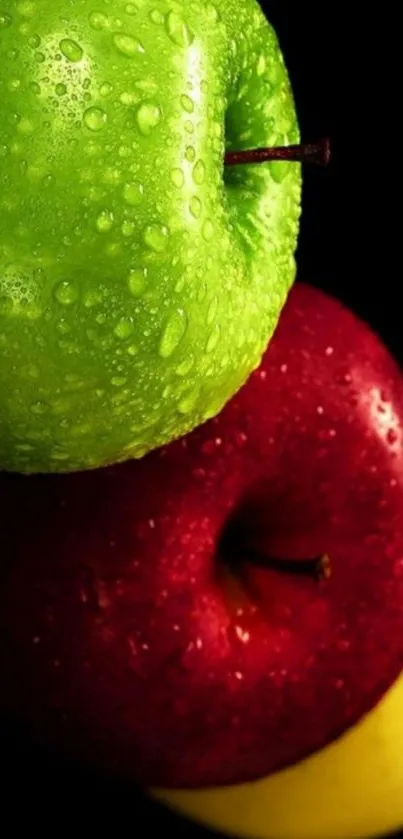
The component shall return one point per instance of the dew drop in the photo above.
(127, 45)
(187, 104)
(95, 118)
(213, 339)
(177, 178)
(71, 50)
(208, 230)
(188, 400)
(105, 89)
(195, 206)
(261, 65)
(133, 193)
(124, 329)
(185, 367)
(199, 172)
(39, 407)
(173, 333)
(66, 293)
(212, 13)
(178, 30)
(190, 154)
(156, 237)
(279, 170)
(5, 21)
(104, 221)
(137, 281)
(92, 299)
(98, 21)
(156, 16)
(148, 117)
(212, 311)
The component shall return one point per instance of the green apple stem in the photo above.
(317, 153)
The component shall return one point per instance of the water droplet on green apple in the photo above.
(177, 178)
(133, 193)
(178, 31)
(188, 400)
(5, 21)
(199, 172)
(132, 350)
(98, 21)
(104, 221)
(187, 104)
(92, 299)
(156, 237)
(34, 41)
(137, 281)
(213, 339)
(185, 367)
(71, 50)
(148, 117)
(212, 13)
(124, 329)
(106, 89)
(39, 407)
(173, 333)
(61, 89)
(95, 118)
(156, 16)
(208, 230)
(212, 311)
(279, 170)
(190, 154)
(66, 293)
(195, 206)
(127, 45)
(128, 228)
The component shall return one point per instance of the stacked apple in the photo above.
(233, 600)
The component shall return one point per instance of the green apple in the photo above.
(140, 279)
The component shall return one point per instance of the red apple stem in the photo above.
(315, 153)
(318, 568)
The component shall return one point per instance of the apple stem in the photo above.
(317, 153)
(320, 568)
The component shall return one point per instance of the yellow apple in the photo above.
(354, 787)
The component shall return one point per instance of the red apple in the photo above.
(126, 640)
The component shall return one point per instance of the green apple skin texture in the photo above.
(139, 283)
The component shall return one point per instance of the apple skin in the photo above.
(126, 642)
(139, 287)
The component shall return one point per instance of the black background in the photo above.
(341, 70)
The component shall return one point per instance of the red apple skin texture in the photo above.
(121, 643)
